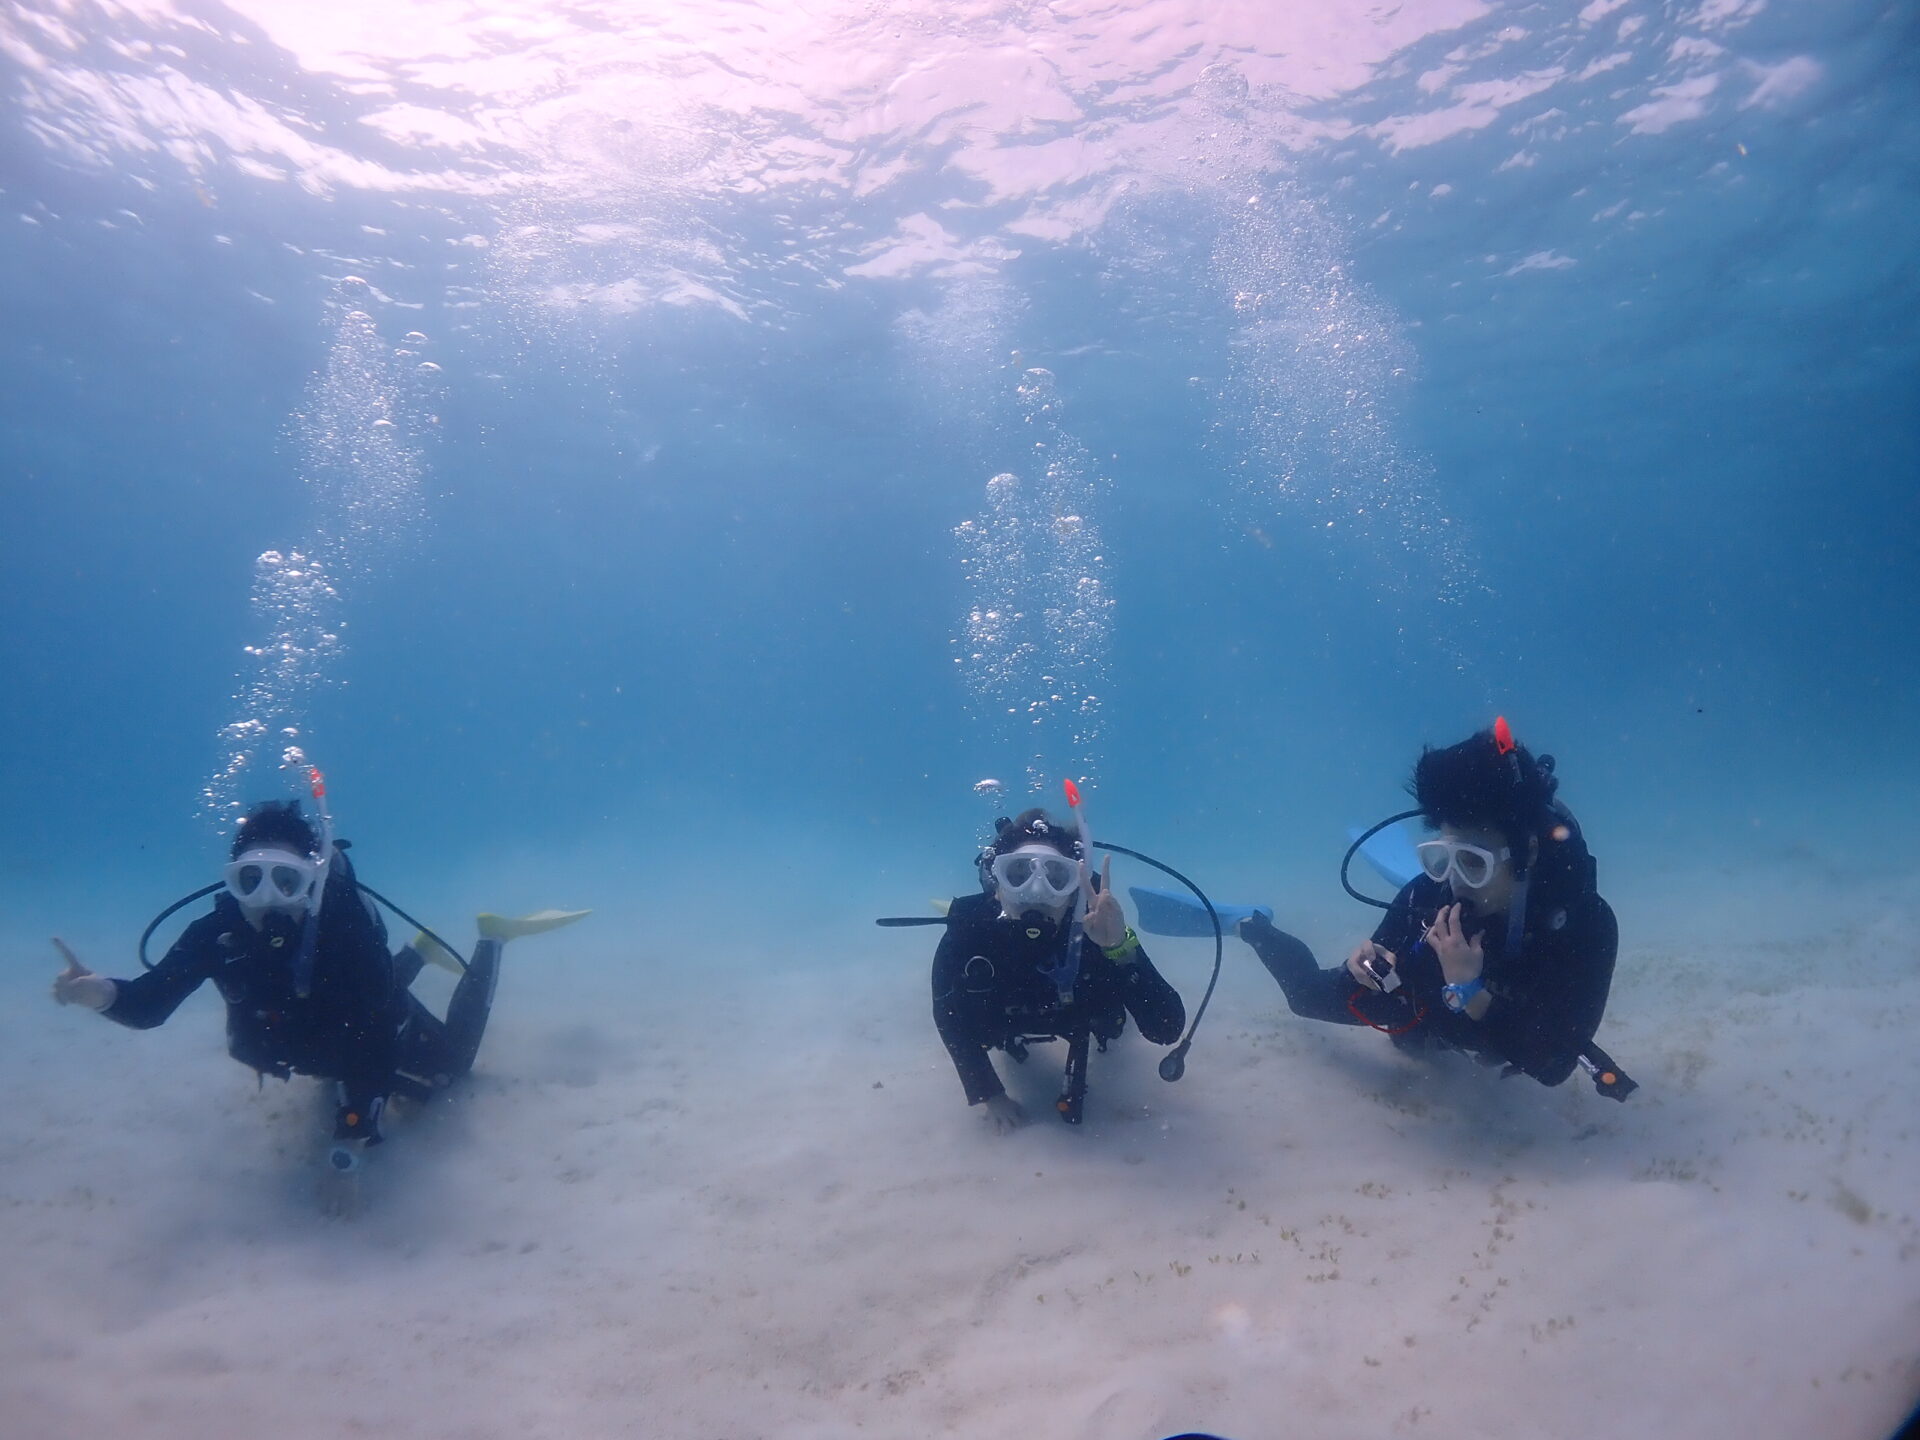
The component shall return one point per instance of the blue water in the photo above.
(1407, 367)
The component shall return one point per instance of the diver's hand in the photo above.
(1461, 960)
(1106, 922)
(1369, 962)
(1005, 1113)
(77, 985)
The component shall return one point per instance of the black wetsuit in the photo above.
(988, 993)
(359, 1024)
(1547, 1000)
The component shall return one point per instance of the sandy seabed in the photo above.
(736, 1195)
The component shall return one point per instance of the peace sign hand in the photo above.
(1106, 922)
(77, 985)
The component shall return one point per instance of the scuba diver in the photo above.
(299, 954)
(1501, 947)
(1043, 952)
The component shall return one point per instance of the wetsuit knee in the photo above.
(470, 1007)
(1287, 959)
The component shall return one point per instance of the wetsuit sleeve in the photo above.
(958, 1020)
(1542, 1026)
(1153, 1003)
(1400, 929)
(149, 998)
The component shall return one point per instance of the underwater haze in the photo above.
(703, 462)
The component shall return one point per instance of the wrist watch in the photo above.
(1457, 997)
(1128, 947)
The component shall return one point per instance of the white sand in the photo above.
(729, 1208)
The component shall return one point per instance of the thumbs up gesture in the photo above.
(77, 985)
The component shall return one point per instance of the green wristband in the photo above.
(1126, 949)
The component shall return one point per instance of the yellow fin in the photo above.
(434, 953)
(515, 927)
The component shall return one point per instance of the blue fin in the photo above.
(1390, 853)
(1175, 912)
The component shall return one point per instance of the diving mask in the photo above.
(272, 879)
(1035, 877)
(1472, 865)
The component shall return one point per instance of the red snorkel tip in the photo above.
(1073, 793)
(318, 781)
(1503, 736)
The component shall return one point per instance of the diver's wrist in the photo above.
(1124, 951)
(98, 996)
(1459, 996)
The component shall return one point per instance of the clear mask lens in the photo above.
(268, 879)
(1472, 865)
(1025, 872)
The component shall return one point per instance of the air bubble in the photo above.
(1037, 629)
(365, 497)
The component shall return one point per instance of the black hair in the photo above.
(1473, 785)
(1029, 827)
(1035, 827)
(275, 822)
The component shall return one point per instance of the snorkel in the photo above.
(1086, 850)
(1066, 970)
(1504, 742)
(310, 931)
